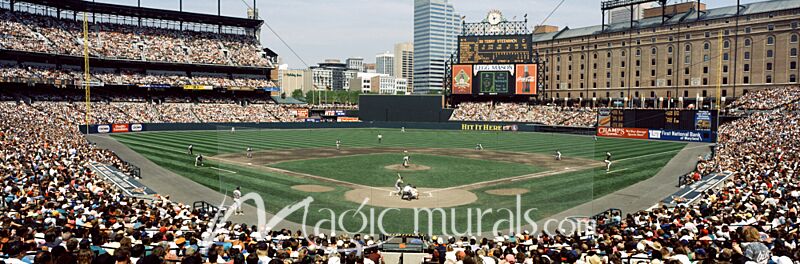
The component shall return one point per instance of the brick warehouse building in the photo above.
(678, 57)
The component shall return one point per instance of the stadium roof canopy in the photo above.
(687, 17)
(145, 12)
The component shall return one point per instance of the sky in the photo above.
(339, 29)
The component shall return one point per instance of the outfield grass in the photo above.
(640, 159)
(445, 171)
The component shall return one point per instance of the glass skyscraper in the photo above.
(436, 29)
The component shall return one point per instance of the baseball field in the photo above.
(288, 166)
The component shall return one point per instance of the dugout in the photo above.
(403, 108)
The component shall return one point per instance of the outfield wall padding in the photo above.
(471, 126)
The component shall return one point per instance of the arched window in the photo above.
(688, 48)
(653, 51)
(793, 38)
(669, 50)
(747, 42)
(726, 44)
(706, 46)
(771, 40)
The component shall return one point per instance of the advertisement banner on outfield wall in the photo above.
(489, 127)
(622, 132)
(136, 127)
(103, 129)
(680, 135)
(346, 119)
(118, 128)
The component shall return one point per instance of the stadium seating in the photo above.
(36, 33)
(750, 218)
(522, 112)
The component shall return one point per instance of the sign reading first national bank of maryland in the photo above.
(489, 127)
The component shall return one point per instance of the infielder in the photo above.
(233, 130)
(380, 138)
(479, 146)
(198, 161)
(402, 129)
(191, 147)
(558, 155)
(237, 201)
(249, 152)
(608, 161)
(338, 144)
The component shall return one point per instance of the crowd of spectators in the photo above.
(522, 112)
(39, 33)
(767, 99)
(46, 74)
(56, 210)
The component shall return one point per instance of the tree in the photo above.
(298, 94)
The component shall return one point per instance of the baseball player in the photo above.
(595, 138)
(608, 161)
(191, 147)
(198, 161)
(558, 155)
(338, 144)
(479, 146)
(398, 185)
(249, 152)
(380, 138)
(233, 130)
(406, 160)
(402, 129)
(237, 201)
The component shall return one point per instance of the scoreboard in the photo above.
(670, 119)
(495, 79)
(506, 49)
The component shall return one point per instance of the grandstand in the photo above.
(58, 207)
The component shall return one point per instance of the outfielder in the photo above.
(380, 138)
(233, 130)
(191, 147)
(608, 161)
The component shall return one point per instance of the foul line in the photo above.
(228, 171)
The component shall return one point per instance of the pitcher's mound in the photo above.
(507, 192)
(428, 198)
(412, 167)
(312, 188)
